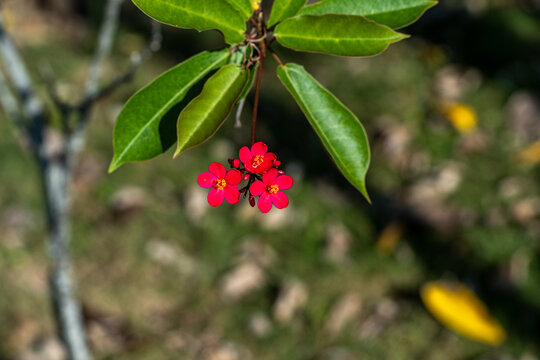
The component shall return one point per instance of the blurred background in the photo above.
(453, 117)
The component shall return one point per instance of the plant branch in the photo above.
(135, 62)
(9, 103)
(32, 106)
(106, 37)
(262, 45)
(55, 175)
(275, 55)
(257, 93)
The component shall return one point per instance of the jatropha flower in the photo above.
(257, 160)
(260, 171)
(270, 189)
(224, 184)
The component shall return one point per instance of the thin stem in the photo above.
(257, 94)
(262, 44)
(275, 55)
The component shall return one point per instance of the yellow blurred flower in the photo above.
(531, 154)
(458, 308)
(255, 4)
(389, 238)
(462, 117)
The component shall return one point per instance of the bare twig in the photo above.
(135, 61)
(276, 57)
(19, 76)
(56, 167)
(76, 141)
(262, 50)
(9, 102)
(55, 177)
(106, 37)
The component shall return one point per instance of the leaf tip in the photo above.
(364, 192)
(114, 165)
(402, 36)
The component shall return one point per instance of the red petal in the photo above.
(217, 169)
(232, 195)
(259, 148)
(245, 155)
(265, 203)
(215, 197)
(284, 182)
(257, 188)
(270, 176)
(269, 159)
(280, 200)
(206, 180)
(233, 177)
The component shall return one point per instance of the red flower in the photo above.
(223, 183)
(269, 190)
(258, 160)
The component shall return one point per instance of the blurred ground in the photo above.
(451, 113)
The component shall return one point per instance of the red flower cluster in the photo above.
(260, 170)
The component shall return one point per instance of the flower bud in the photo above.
(235, 163)
(281, 172)
(246, 177)
(230, 162)
(251, 201)
(277, 163)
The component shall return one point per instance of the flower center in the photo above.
(272, 189)
(221, 184)
(257, 160)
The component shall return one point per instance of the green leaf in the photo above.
(143, 130)
(243, 6)
(250, 81)
(197, 14)
(393, 13)
(346, 35)
(338, 128)
(284, 9)
(207, 112)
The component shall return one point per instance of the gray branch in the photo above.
(106, 37)
(56, 165)
(54, 174)
(9, 102)
(22, 82)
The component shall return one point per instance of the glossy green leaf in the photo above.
(284, 9)
(338, 128)
(198, 14)
(207, 112)
(146, 126)
(393, 13)
(242, 6)
(345, 35)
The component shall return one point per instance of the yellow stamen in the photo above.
(272, 189)
(221, 184)
(257, 160)
(255, 4)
